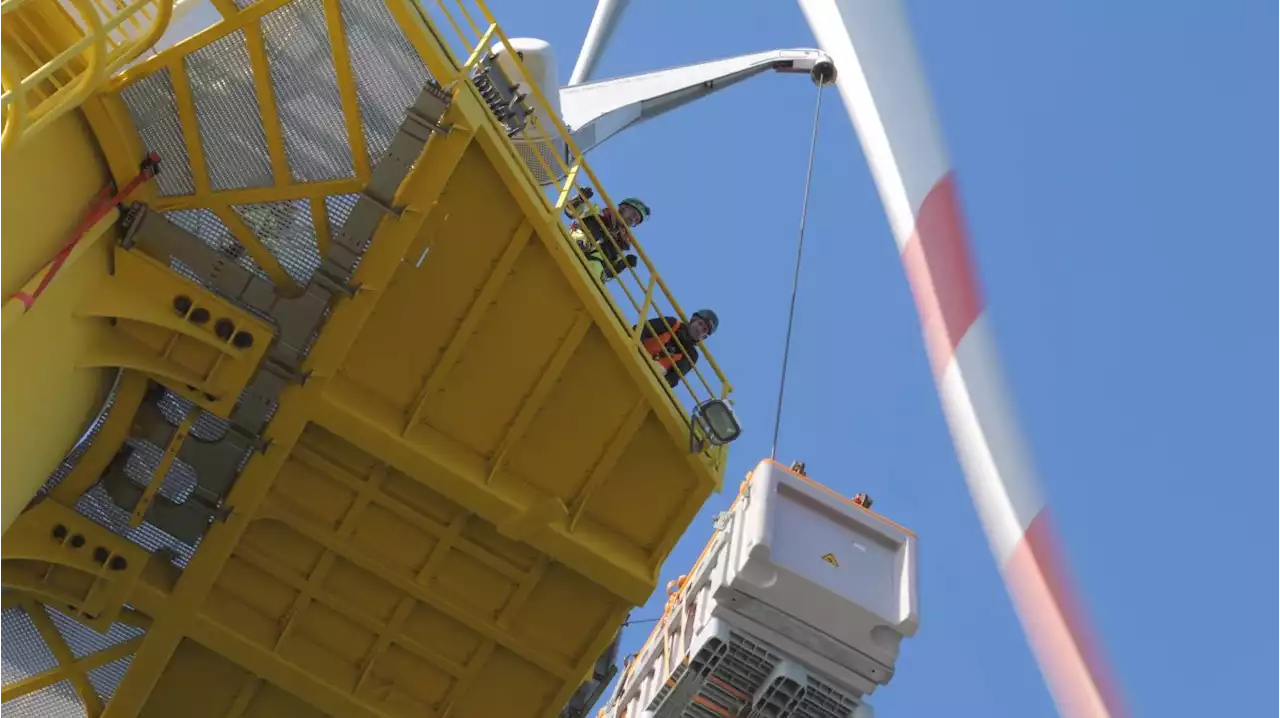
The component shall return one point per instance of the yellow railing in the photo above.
(636, 293)
(98, 38)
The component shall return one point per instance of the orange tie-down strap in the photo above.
(106, 199)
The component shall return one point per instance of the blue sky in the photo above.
(1114, 158)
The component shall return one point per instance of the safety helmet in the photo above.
(709, 317)
(638, 206)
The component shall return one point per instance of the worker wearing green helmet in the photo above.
(603, 237)
(641, 211)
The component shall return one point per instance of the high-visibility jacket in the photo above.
(611, 235)
(672, 348)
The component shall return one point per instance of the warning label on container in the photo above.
(831, 559)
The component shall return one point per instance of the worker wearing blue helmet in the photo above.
(673, 344)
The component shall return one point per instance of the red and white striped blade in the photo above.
(883, 88)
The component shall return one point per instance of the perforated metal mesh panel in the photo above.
(235, 146)
(85, 641)
(205, 224)
(339, 207)
(178, 482)
(154, 110)
(22, 652)
(306, 92)
(73, 457)
(286, 230)
(25, 654)
(56, 701)
(388, 72)
(106, 679)
(207, 427)
(97, 506)
(547, 169)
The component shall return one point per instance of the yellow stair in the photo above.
(461, 471)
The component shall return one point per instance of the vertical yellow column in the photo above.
(45, 187)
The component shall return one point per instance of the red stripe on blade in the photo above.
(1068, 655)
(941, 273)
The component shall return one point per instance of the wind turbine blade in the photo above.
(607, 16)
(884, 91)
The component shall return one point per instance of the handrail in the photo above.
(103, 46)
(640, 289)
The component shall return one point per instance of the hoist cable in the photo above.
(795, 280)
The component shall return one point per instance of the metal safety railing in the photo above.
(637, 293)
(42, 83)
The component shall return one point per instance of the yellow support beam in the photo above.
(618, 556)
(267, 104)
(265, 260)
(226, 8)
(260, 195)
(533, 402)
(133, 691)
(204, 38)
(418, 194)
(608, 461)
(548, 229)
(79, 667)
(320, 222)
(248, 689)
(347, 87)
(57, 645)
(467, 328)
(491, 630)
(460, 474)
(179, 615)
(186, 105)
(162, 470)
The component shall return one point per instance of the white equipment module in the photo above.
(795, 609)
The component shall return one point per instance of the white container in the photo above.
(802, 553)
(800, 593)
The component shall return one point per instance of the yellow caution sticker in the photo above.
(831, 559)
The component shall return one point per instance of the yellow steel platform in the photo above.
(379, 443)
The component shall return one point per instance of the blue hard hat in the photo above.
(708, 316)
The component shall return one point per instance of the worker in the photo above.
(673, 343)
(674, 586)
(798, 467)
(864, 500)
(613, 238)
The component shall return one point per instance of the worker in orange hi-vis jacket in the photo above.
(673, 343)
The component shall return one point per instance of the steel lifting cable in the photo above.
(795, 280)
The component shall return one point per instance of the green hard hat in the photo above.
(637, 205)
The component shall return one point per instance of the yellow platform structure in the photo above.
(377, 442)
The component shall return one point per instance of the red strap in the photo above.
(101, 207)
